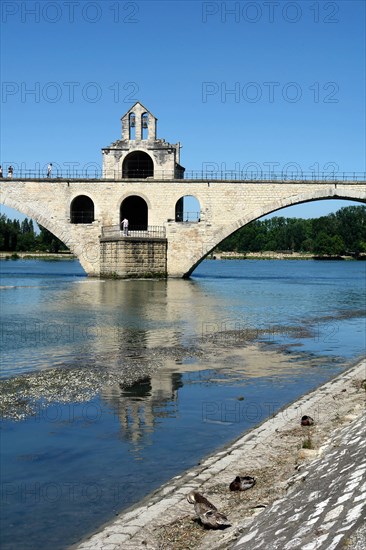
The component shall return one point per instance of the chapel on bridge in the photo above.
(139, 154)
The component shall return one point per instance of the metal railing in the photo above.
(149, 231)
(188, 217)
(263, 176)
(56, 174)
(200, 175)
(79, 216)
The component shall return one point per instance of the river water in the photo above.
(215, 355)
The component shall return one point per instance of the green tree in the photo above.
(351, 227)
(47, 242)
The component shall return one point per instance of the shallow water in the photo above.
(218, 354)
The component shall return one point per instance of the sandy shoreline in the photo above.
(272, 452)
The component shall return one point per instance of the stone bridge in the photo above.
(224, 207)
(143, 181)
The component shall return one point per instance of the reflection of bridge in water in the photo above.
(140, 406)
(144, 182)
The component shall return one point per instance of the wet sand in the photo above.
(275, 453)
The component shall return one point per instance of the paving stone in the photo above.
(317, 525)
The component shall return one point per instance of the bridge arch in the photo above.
(136, 210)
(80, 239)
(224, 231)
(138, 164)
(82, 209)
(41, 216)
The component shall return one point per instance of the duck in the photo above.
(207, 512)
(242, 483)
(307, 421)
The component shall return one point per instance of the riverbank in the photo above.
(276, 453)
(267, 255)
(273, 255)
(37, 256)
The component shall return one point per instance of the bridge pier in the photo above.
(133, 257)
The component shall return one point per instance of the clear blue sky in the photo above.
(237, 83)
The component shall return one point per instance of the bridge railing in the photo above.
(241, 176)
(263, 176)
(188, 216)
(82, 216)
(149, 231)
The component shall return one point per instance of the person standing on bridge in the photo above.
(1, 172)
(10, 171)
(49, 170)
(124, 225)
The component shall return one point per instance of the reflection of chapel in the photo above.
(139, 154)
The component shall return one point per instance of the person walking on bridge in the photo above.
(49, 170)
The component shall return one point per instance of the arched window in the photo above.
(145, 126)
(138, 165)
(82, 210)
(132, 126)
(187, 209)
(135, 209)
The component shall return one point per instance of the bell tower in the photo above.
(138, 124)
(139, 154)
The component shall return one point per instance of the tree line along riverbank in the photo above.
(342, 234)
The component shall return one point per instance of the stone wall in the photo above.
(133, 257)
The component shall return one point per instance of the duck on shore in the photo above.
(242, 483)
(207, 512)
(307, 420)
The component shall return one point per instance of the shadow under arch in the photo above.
(138, 165)
(135, 209)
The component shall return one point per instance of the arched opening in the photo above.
(325, 243)
(187, 209)
(82, 210)
(145, 126)
(132, 126)
(135, 210)
(138, 165)
(301, 231)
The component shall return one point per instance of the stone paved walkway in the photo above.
(328, 506)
